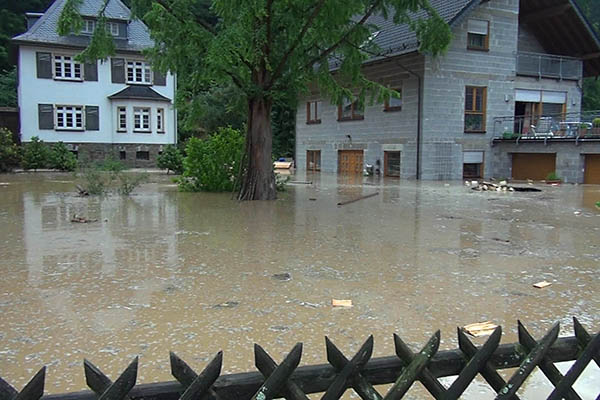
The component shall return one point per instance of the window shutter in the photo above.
(92, 118)
(122, 30)
(117, 70)
(46, 116)
(44, 65)
(90, 71)
(160, 79)
(478, 26)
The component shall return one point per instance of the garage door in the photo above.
(534, 166)
(350, 161)
(592, 169)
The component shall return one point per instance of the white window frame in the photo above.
(139, 72)
(113, 28)
(64, 112)
(63, 62)
(160, 120)
(89, 26)
(121, 119)
(141, 119)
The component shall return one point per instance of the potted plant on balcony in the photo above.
(552, 178)
(583, 128)
(596, 126)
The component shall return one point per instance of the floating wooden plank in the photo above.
(411, 373)
(341, 303)
(343, 203)
(542, 284)
(480, 328)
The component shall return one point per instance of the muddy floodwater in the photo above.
(196, 273)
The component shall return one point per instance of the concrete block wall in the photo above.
(395, 129)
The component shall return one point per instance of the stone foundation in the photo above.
(131, 155)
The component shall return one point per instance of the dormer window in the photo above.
(89, 25)
(139, 72)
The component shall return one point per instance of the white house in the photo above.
(118, 107)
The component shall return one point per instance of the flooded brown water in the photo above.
(194, 273)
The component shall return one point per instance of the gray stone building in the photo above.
(503, 101)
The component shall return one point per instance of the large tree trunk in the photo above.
(259, 179)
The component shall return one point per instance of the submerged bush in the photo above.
(212, 164)
(9, 152)
(171, 159)
(127, 183)
(35, 154)
(62, 158)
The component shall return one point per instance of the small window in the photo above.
(350, 111)
(160, 120)
(475, 106)
(89, 25)
(473, 164)
(141, 119)
(122, 155)
(394, 103)
(113, 28)
(138, 72)
(66, 68)
(313, 160)
(478, 34)
(142, 155)
(122, 119)
(69, 118)
(313, 112)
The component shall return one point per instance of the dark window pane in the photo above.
(473, 122)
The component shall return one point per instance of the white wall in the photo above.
(33, 91)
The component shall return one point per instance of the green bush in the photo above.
(111, 165)
(128, 182)
(35, 154)
(596, 122)
(212, 164)
(9, 152)
(171, 159)
(552, 177)
(61, 158)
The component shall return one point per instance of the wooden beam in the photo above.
(545, 13)
(591, 56)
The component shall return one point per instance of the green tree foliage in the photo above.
(269, 48)
(35, 154)
(62, 158)
(9, 152)
(212, 164)
(171, 159)
(8, 88)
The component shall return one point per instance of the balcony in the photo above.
(549, 66)
(554, 127)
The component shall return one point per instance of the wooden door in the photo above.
(350, 161)
(534, 166)
(592, 169)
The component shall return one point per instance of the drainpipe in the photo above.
(419, 115)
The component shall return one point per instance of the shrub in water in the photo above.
(61, 158)
(212, 164)
(171, 159)
(9, 152)
(128, 182)
(35, 154)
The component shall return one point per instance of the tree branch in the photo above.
(288, 53)
(209, 28)
(344, 36)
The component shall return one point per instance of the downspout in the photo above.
(419, 115)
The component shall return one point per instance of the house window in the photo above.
(69, 117)
(473, 164)
(313, 160)
(141, 119)
(394, 103)
(66, 68)
(122, 155)
(475, 105)
(142, 155)
(391, 163)
(478, 36)
(138, 72)
(313, 112)
(160, 120)
(113, 28)
(89, 26)
(122, 119)
(350, 110)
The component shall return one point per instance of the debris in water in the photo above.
(343, 203)
(502, 187)
(577, 212)
(82, 220)
(542, 284)
(341, 303)
(282, 277)
(312, 199)
(227, 304)
(480, 328)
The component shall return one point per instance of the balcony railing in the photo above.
(548, 66)
(552, 126)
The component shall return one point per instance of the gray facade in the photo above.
(444, 80)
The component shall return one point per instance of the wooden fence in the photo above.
(359, 373)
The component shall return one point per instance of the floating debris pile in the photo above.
(501, 186)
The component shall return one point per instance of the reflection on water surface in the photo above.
(194, 273)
